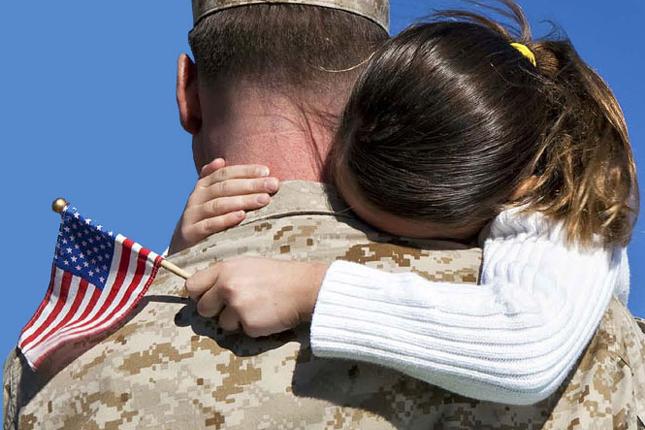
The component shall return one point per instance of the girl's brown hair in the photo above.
(449, 120)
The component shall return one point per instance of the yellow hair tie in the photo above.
(526, 52)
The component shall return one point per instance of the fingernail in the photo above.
(264, 171)
(271, 185)
(263, 199)
(240, 214)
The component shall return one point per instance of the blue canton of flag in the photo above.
(97, 279)
(84, 249)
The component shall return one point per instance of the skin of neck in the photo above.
(245, 124)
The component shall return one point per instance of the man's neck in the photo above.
(268, 129)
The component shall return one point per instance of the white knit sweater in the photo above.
(513, 339)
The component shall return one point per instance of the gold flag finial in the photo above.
(59, 205)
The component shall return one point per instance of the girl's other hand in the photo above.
(220, 200)
(259, 295)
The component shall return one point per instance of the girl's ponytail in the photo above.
(585, 170)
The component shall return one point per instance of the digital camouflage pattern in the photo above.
(167, 368)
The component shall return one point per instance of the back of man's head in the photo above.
(297, 47)
(273, 80)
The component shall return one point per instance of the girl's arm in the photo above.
(513, 339)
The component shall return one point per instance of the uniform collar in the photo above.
(301, 198)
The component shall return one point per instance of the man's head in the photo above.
(270, 81)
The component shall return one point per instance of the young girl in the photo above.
(457, 127)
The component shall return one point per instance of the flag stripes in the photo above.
(75, 308)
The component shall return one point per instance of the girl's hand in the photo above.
(260, 295)
(220, 201)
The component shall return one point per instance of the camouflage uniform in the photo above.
(167, 368)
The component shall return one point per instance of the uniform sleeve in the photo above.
(513, 339)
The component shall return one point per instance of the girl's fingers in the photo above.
(225, 205)
(235, 172)
(229, 320)
(210, 304)
(240, 187)
(201, 282)
(212, 167)
(235, 187)
(216, 224)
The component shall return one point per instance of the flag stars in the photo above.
(85, 249)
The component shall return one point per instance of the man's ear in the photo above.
(190, 112)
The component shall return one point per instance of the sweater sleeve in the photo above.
(513, 339)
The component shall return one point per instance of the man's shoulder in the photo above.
(607, 389)
(152, 372)
(167, 348)
(169, 365)
(641, 323)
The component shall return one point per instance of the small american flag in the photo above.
(97, 279)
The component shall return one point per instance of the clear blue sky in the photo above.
(87, 112)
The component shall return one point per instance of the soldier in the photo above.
(169, 368)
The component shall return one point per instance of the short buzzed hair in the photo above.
(284, 44)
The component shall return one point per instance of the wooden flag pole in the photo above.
(174, 269)
(59, 207)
